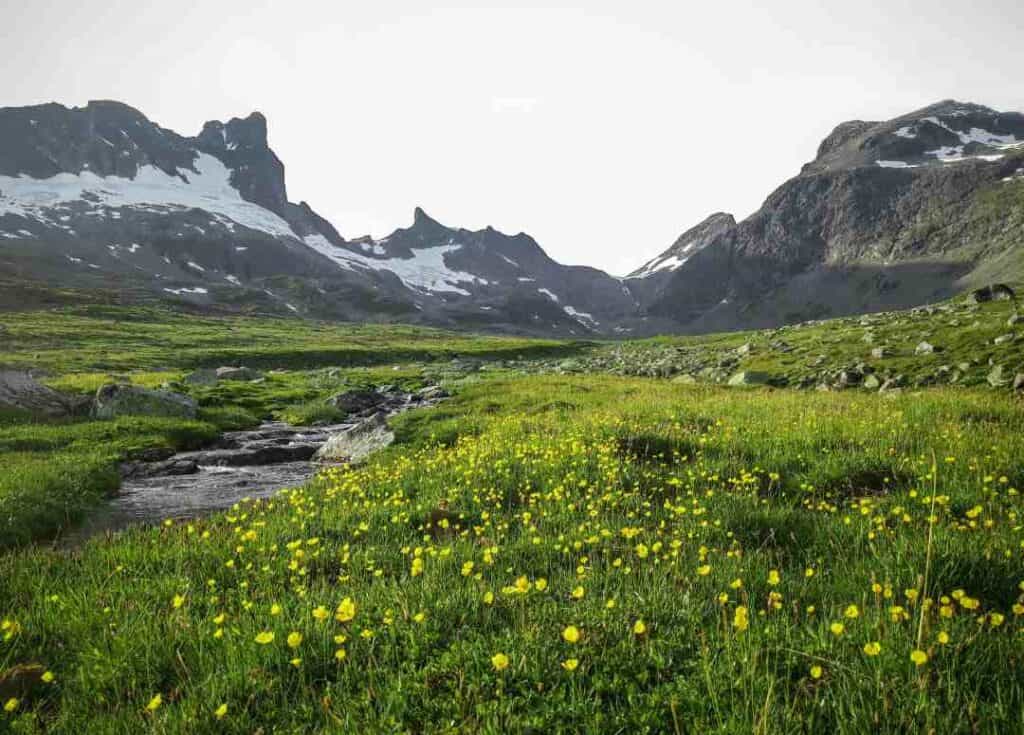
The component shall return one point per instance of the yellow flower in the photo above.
(346, 610)
(641, 551)
(294, 639)
(739, 619)
(265, 637)
(809, 572)
(577, 594)
(419, 617)
(467, 568)
(275, 609)
(873, 649)
(571, 634)
(11, 704)
(570, 664)
(639, 627)
(417, 566)
(852, 612)
(773, 577)
(816, 672)
(488, 598)
(499, 661)
(704, 570)
(320, 613)
(340, 654)
(220, 712)
(610, 604)
(178, 601)
(919, 657)
(541, 584)
(47, 677)
(154, 703)
(837, 628)
(943, 637)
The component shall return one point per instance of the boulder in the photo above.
(1004, 339)
(995, 292)
(237, 373)
(998, 377)
(202, 376)
(117, 399)
(1018, 382)
(750, 377)
(357, 443)
(19, 391)
(871, 382)
(924, 348)
(1014, 320)
(357, 401)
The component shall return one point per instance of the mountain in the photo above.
(101, 199)
(888, 215)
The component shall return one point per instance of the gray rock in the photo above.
(1018, 382)
(1014, 320)
(924, 348)
(879, 353)
(171, 467)
(750, 377)
(892, 384)
(357, 401)
(745, 349)
(357, 443)
(202, 376)
(685, 379)
(1004, 339)
(19, 391)
(871, 382)
(431, 393)
(238, 373)
(998, 377)
(115, 399)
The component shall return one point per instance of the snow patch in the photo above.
(548, 293)
(181, 291)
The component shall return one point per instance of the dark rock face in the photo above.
(115, 400)
(889, 215)
(19, 391)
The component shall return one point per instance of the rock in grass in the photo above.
(19, 391)
(879, 353)
(750, 377)
(203, 376)
(924, 348)
(357, 443)
(997, 377)
(871, 382)
(685, 379)
(1018, 382)
(238, 373)
(1004, 339)
(357, 401)
(117, 399)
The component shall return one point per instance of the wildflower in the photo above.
(816, 672)
(873, 649)
(275, 609)
(851, 612)
(220, 712)
(265, 637)
(47, 677)
(642, 551)
(541, 584)
(577, 594)
(294, 639)
(571, 634)
(419, 617)
(809, 572)
(417, 566)
(570, 664)
(154, 703)
(346, 610)
(320, 613)
(739, 619)
(467, 568)
(639, 628)
(610, 604)
(178, 601)
(942, 637)
(919, 657)
(837, 628)
(499, 661)
(488, 598)
(704, 570)
(11, 704)
(340, 654)
(773, 577)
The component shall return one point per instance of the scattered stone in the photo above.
(745, 349)
(431, 393)
(1018, 382)
(892, 384)
(115, 399)
(879, 353)
(750, 377)
(21, 392)
(997, 377)
(358, 442)
(1004, 339)
(1014, 320)
(238, 373)
(358, 401)
(849, 378)
(995, 292)
(924, 348)
(138, 470)
(202, 376)
(871, 382)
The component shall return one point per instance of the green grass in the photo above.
(651, 496)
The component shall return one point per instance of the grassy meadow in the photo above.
(557, 548)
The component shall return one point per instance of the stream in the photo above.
(239, 464)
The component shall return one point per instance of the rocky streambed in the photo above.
(250, 464)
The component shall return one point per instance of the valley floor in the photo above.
(561, 547)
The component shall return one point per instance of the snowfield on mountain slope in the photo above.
(208, 188)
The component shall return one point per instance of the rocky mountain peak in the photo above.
(687, 245)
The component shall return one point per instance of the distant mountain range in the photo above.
(99, 199)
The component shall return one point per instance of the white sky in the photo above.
(602, 129)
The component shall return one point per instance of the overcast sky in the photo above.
(602, 129)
